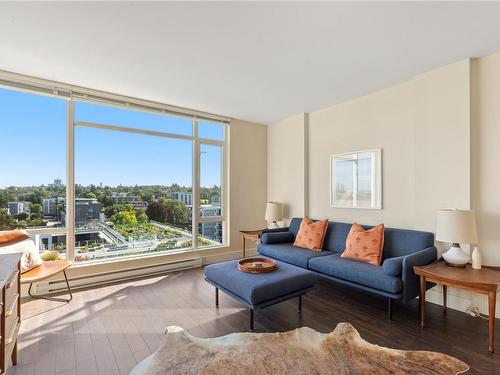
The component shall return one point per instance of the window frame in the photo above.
(65, 92)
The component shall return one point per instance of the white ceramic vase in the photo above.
(476, 258)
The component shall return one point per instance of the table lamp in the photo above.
(274, 213)
(456, 226)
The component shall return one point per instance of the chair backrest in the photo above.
(397, 242)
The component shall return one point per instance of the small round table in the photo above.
(251, 235)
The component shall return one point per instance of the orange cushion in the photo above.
(311, 234)
(9, 237)
(365, 245)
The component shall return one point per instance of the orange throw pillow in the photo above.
(9, 237)
(311, 234)
(365, 245)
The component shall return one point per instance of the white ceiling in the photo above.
(254, 61)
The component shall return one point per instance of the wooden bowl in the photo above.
(257, 265)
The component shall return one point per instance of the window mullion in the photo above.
(195, 185)
(70, 181)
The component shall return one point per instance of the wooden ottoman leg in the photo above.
(251, 319)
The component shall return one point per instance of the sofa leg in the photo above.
(300, 303)
(389, 308)
(251, 319)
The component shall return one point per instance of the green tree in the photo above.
(23, 216)
(7, 222)
(141, 216)
(177, 212)
(156, 211)
(90, 195)
(36, 211)
(124, 218)
(110, 211)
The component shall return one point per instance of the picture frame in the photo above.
(356, 179)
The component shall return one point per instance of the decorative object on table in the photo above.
(250, 235)
(365, 245)
(257, 265)
(484, 281)
(356, 179)
(476, 258)
(456, 226)
(274, 213)
(311, 234)
(301, 351)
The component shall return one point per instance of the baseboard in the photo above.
(58, 285)
(461, 300)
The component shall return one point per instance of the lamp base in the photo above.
(456, 257)
(273, 225)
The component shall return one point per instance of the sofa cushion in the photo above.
(288, 253)
(393, 266)
(277, 237)
(257, 289)
(356, 272)
(365, 245)
(311, 234)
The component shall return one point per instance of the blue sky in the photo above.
(33, 145)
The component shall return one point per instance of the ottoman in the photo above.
(259, 290)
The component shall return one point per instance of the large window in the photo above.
(144, 181)
(33, 167)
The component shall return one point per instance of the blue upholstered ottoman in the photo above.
(260, 290)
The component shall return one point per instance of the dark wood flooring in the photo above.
(108, 330)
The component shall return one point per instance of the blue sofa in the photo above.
(393, 279)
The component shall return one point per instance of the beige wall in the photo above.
(248, 178)
(438, 151)
(485, 145)
(286, 149)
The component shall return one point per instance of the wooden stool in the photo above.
(44, 271)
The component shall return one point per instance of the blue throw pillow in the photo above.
(277, 237)
(393, 266)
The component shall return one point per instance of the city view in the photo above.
(133, 191)
(113, 221)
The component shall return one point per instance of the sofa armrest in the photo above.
(273, 230)
(393, 266)
(410, 279)
(277, 237)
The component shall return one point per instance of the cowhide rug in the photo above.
(301, 351)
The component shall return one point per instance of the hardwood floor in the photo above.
(108, 330)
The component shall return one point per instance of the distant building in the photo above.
(186, 198)
(87, 210)
(50, 206)
(121, 198)
(139, 205)
(211, 230)
(57, 183)
(215, 199)
(15, 208)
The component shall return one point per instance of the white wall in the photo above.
(424, 128)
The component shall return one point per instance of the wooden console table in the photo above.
(485, 281)
(251, 235)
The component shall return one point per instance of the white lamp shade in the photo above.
(274, 211)
(456, 226)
